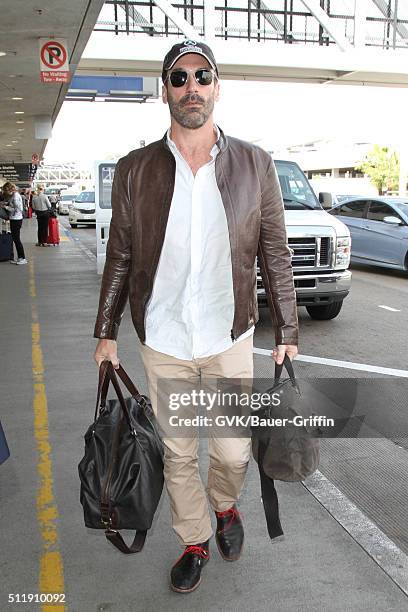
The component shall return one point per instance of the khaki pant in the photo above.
(228, 456)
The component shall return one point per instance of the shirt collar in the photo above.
(214, 151)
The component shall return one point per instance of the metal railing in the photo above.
(290, 23)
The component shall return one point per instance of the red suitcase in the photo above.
(53, 232)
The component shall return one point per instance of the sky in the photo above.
(270, 114)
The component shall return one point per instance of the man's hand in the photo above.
(107, 350)
(278, 353)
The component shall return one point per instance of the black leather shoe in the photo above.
(186, 572)
(230, 534)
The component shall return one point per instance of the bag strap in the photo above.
(125, 378)
(269, 497)
(289, 368)
(107, 375)
(103, 384)
(116, 539)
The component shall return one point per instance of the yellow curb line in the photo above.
(51, 568)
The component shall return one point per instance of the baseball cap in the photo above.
(188, 46)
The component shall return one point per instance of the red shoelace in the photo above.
(197, 550)
(231, 511)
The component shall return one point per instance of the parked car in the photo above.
(378, 228)
(83, 209)
(65, 202)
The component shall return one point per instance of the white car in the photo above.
(66, 202)
(83, 209)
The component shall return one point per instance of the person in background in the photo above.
(14, 206)
(25, 202)
(41, 206)
(53, 198)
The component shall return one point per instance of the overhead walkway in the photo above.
(348, 42)
(48, 380)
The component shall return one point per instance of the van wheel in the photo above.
(74, 225)
(325, 313)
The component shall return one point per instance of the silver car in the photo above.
(378, 228)
(65, 203)
(83, 209)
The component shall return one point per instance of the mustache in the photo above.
(192, 97)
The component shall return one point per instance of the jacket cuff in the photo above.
(106, 332)
(292, 339)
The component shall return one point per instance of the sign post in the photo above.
(54, 62)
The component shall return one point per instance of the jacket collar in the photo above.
(222, 142)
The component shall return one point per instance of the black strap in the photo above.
(103, 384)
(116, 539)
(270, 499)
(107, 374)
(105, 381)
(289, 368)
(269, 496)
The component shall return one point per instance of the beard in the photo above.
(188, 117)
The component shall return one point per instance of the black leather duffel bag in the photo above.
(122, 471)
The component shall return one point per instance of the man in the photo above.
(189, 215)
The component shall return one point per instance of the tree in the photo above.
(382, 166)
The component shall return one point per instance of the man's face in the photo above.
(192, 104)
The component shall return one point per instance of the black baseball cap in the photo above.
(187, 46)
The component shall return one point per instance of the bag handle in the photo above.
(116, 539)
(103, 384)
(106, 375)
(125, 378)
(289, 368)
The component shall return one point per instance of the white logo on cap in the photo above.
(190, 43)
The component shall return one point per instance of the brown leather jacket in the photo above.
(141, 197)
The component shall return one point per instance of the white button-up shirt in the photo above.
(191, 309)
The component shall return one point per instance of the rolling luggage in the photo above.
(53, 231)
(6, 243)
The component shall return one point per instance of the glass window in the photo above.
(296, 191)
(86, 196)
(403, 206)
(353, 209)
(379, 210)
(106, 174)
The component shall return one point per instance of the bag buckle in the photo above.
(141, 400)
(106, 518)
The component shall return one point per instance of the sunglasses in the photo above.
(178, 78)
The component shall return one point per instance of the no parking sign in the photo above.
(54, 62)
